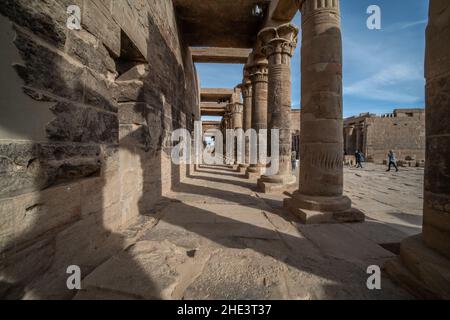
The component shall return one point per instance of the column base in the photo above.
(420, 270)
(242, 168)
(315, 210)
(253, 172)
(277, 183)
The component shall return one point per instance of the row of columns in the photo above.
(355, 137)
(424, 262)
(278, 45)
(267, 101)
(247, 95)
(233, 119)
(259, 76)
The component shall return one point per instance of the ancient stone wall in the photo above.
(402, 131)
(85, 124)
(404, 135)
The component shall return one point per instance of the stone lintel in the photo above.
(219, 23)
(220, 55)
(212, 109)
(282, 11)
(216, 95)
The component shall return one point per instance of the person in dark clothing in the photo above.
(358, 159)
(294, 160)
(392, 161)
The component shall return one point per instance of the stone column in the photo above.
(364, 141)
(236, 111)
(246, 88)
(350, 144)
(237, 116)
(259, 79)
(320, 196)
(358, 132)
(278, 45)
(424, 262)
(357, 135)
(229, 127)
(225, 127)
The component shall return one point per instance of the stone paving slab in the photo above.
(239, 274)
(217, 240)
(394, 198)
(341, 242)
(378, 232)
(148, 270)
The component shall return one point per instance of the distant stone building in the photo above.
(402, 131)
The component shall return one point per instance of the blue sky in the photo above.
(383, 69)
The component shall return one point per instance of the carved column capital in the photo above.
(227, 120)
(279, 41)
(329, 8)
(246, 88)
(246, 85)
(259, 73)
(235, 108)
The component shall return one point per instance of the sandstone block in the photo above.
(32, 215)
(48, 70)
(74, 123)
(97, 20)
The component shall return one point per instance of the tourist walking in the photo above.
(358, 159)
(392, 160)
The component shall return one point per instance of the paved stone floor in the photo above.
(215, 237)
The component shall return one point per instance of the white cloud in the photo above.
(413, 24)
(406, 25)
(386, 85)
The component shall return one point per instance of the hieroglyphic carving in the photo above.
(278, 45)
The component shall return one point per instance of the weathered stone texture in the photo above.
(105, 158)
(48, 70)
(424, 263)
(82, 124)
(405, 136)
(278, 45)
(259, 79)
(47, 18)
(90, 51)
(26, 167)
(96, 18)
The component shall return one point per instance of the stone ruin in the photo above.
(402, 131)
(86, 118)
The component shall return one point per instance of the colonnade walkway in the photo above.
(216, 237)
